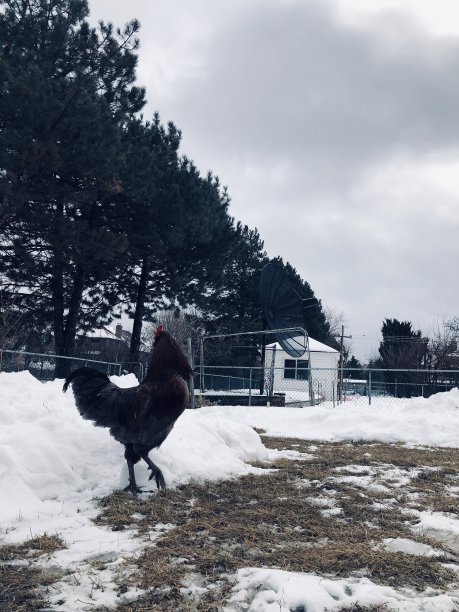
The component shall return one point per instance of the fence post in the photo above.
(201, 364)
(191, 385)
(369, 387)
(250, 387)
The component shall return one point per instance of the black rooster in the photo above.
(139, 417)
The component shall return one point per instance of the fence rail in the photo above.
(249, 384)
(317, 385)
(43, 365)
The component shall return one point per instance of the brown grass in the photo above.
(21, 583)
(267, 521)
(32, 548)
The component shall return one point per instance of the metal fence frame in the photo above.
(321, 384)
(111, 367)
(325, 383)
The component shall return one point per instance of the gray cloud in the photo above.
(322, 133)
(289, 82)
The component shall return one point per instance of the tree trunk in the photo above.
(57, 280)
(57, 290)
(66, 346)
(134, 348)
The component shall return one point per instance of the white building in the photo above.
(317, 369)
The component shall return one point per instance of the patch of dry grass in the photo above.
(19, 588)
(32, 548)
(277, 519)
(22, 584)
(268, 521)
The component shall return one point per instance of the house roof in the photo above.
(314, 346)
(104, 332)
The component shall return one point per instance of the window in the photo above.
(302, 369)
(297, 369)
(290, 368)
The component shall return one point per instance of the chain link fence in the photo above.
(313, 386)
(43, 365)
(286, 386)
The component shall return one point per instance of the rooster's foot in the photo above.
(159, 478)
(133, 488)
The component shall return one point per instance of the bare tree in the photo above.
(181, 324)
(11, 319)
(12, 332)
(443, 345)
(336, 321)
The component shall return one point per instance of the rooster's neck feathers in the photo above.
(167, 360)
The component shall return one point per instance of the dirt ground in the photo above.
(328, 511)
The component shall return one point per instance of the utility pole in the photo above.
(341, 372)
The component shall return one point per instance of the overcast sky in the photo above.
(335, 126)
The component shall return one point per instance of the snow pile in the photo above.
(442, 526)
(50, 457)
(268, 590)
(409, 547)
(431, 422)
(53, 463)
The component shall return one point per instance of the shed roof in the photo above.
(314, 346)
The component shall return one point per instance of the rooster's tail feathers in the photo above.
(86, 373)
(96, 398)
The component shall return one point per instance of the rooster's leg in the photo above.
(131, 459)
(155, 471)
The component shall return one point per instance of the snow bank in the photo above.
(53, 463)
(442, 526)
(431, 422)
(268, 590)
(51, 459)
(50, 455)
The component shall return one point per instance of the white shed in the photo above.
(316, 370)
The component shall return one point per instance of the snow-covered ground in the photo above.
(433, 421)
(53, 463)
(269, 590)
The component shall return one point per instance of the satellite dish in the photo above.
(283, 309)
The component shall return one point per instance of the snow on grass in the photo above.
(53, 464)
(381, 477)
(410, 547)
(52, 461)
(432, 422)
(271, 590)
(442, 526)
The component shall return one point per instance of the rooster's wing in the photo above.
(100, 400)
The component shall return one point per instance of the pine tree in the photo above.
(353, 368)
(177, 226)
(66, 92)
(402, 348)
(231, 303)
(315, 321)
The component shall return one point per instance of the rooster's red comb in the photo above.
(159, 329)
